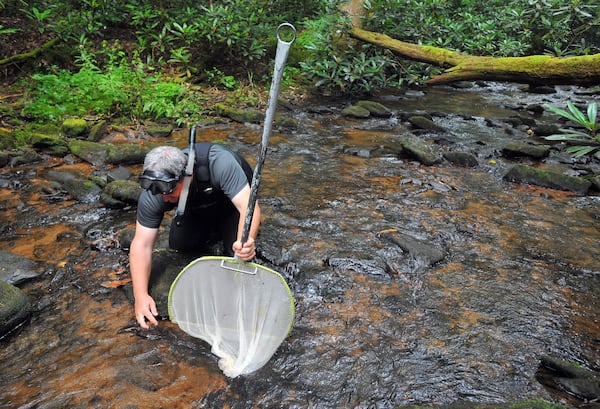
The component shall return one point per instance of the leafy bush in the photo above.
(117, 91)
(495, 27)
(230, 40)
(336, 65)
(586, 141)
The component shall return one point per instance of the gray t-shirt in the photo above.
(226, 175)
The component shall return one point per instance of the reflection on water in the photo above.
(519, 280)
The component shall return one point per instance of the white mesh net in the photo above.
(243, 310)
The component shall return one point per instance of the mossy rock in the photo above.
(53, 144)
(423, 122)
(464, 159)
(97, 131)
(15, 309)
(120, 193)
(91, 152)
(550, 179)
(159, 131)
(7, 139)
(375, 108)
(356, 111)
(82, 190)
(240, 115)
(126, 153)
(417, 149)
(73, 127)
(25, 157)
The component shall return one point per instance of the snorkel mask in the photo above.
(158, 182)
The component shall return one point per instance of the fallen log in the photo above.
(534, 69)
(30, 54)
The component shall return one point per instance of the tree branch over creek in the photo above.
(535, 69)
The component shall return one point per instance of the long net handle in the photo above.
(283, 48)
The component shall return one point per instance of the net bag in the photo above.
(243, 310)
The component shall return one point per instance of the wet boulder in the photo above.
(464, 159)
(126, 153)
(356, 111)
(570, 377)
(158, 130)
(546, 178)
(98, 131)
(52, 144)
(516, 149)
(252, 116)
(596, 183)
(426, 253)
(425, 123)
(15, 309)
(25, 157)
(80, 188)
(375, 108)
(91, 152)
(120, 193)
(419, 150)
(15, 269)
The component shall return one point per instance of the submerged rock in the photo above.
(545, 178)
(15, 269)
(570, 377)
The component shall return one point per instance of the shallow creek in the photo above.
(376, 326)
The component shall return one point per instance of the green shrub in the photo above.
(585, 141)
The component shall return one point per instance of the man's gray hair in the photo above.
(166, 159)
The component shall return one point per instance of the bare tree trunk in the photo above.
(534, 69)
(355, 10)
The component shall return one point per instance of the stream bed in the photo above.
(503, 275)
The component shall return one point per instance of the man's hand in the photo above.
(145, 309)
(245, 252)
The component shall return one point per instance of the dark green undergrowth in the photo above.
(155, 59)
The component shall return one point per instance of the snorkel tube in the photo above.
(187, 178)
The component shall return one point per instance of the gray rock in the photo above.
(15, 269)
(516, 149)
(461, 159)
(422, 122)
(416, 148)
(375, 108)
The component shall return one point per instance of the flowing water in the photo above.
(376, 326)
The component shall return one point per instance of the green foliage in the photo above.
(185, 38)
(586, 141)
(495, 27)
(7, 30)
(117, 91)
(336, 65)
(217, 78)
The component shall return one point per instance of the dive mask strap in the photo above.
(187, 178)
